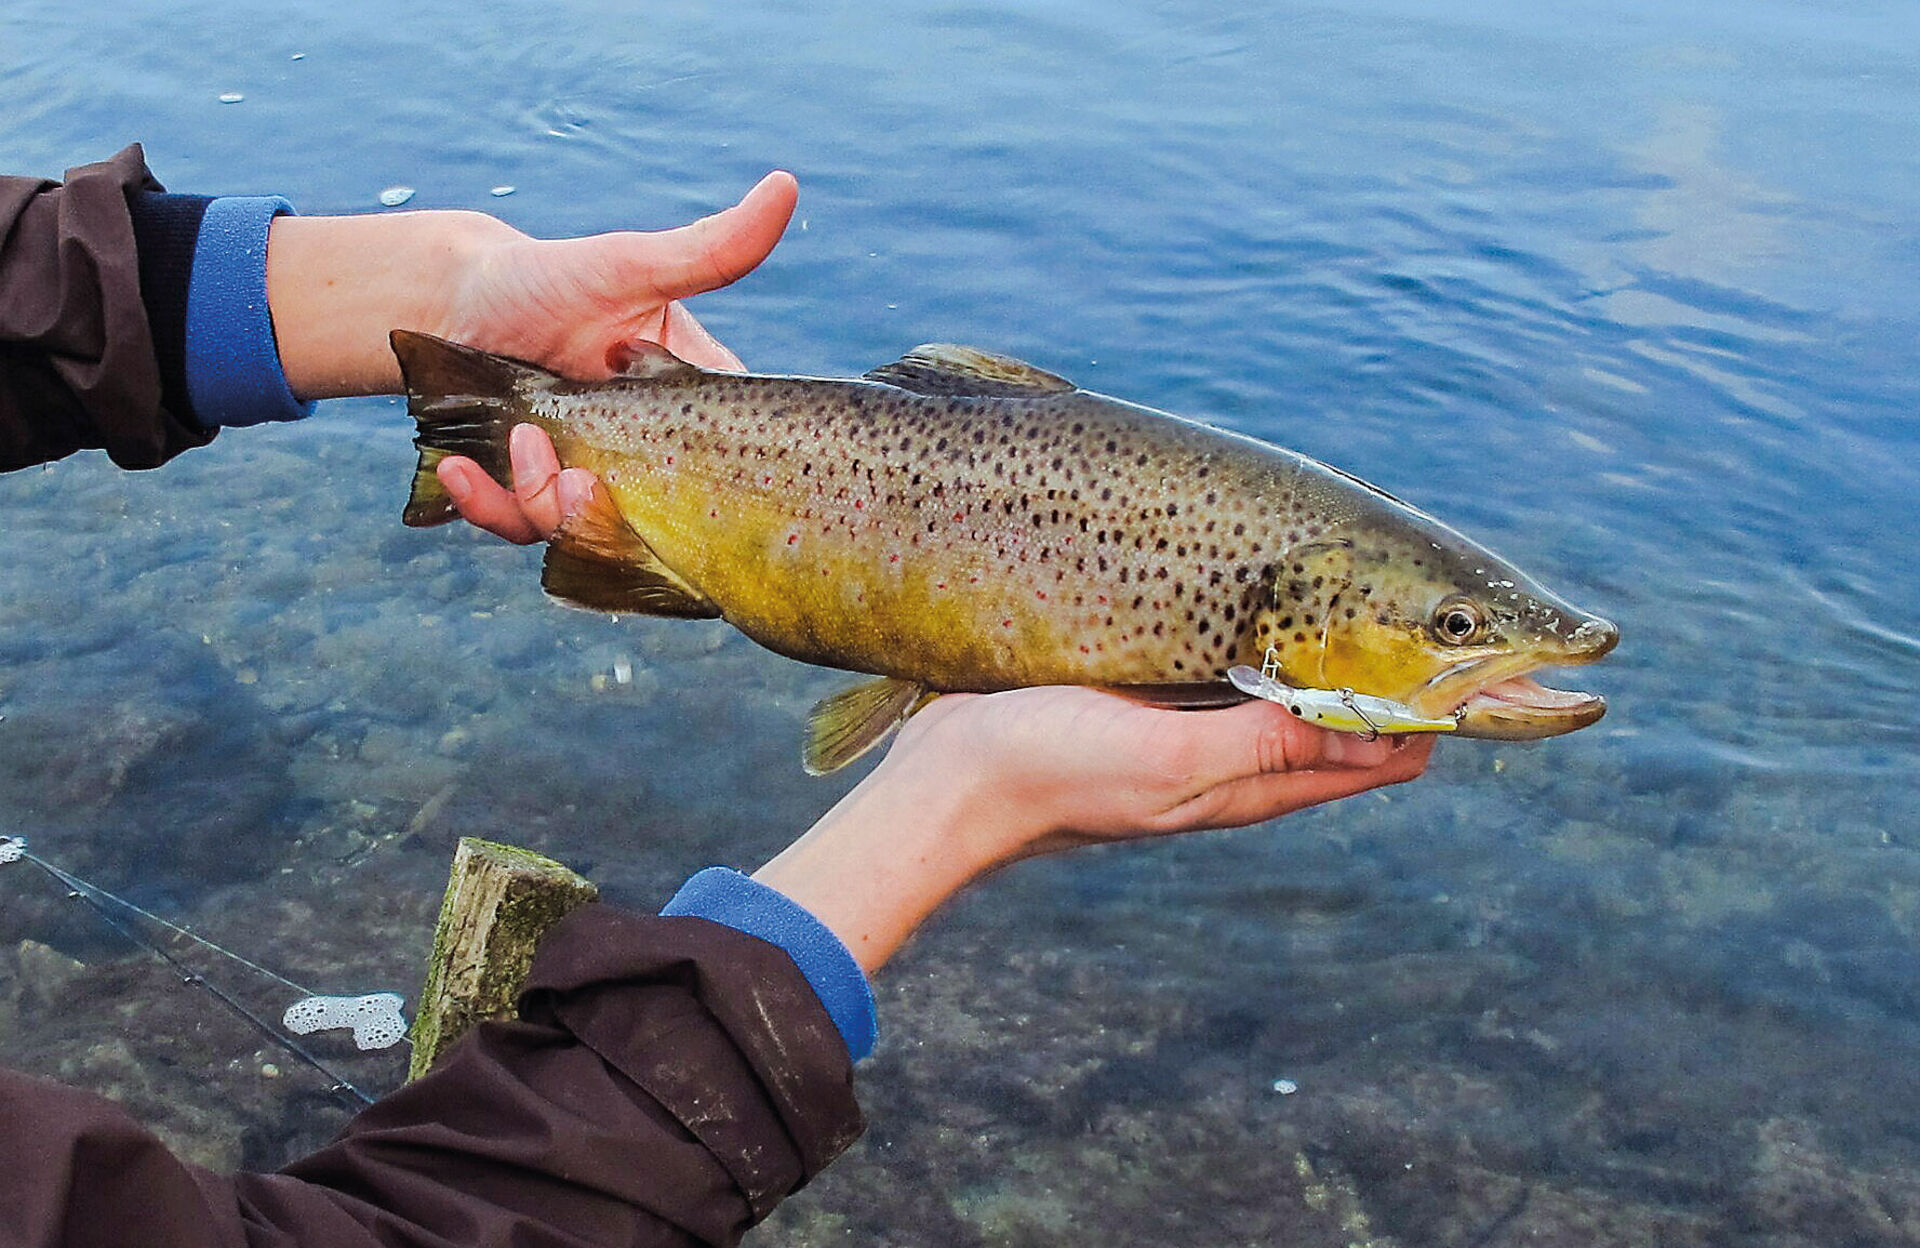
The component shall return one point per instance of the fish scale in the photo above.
(1065, 541)
(958, 521)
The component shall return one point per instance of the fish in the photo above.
(960, 521)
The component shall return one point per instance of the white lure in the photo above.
(1342, 710)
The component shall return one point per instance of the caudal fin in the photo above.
(464, 402)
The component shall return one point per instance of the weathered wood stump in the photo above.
(500, 901)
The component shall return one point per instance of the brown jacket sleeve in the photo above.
(77, 358)
(671, 1080)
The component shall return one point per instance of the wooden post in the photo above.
(500, 901)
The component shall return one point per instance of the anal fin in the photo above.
(596, 560)
(843, 727)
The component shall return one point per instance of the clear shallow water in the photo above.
(1627, 294)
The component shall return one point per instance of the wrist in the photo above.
(338, 285)
(885, 858)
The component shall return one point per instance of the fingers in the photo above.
(1258, 738)
(543, 496)
(482, 501)
(1261, 796)
(536, 469)
(718, 250)
(575, 487)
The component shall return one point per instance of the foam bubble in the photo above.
(375, 1018)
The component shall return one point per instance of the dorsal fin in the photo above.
(642, 360)
(943, 368)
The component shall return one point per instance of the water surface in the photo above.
(1626, 292)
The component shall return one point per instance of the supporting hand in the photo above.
(978, 781)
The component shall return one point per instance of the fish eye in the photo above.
(1457, 621)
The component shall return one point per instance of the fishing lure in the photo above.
(1343, 710)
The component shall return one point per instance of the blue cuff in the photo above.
(737, 901)
(233, 364)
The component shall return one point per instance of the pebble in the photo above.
(1285, 1087)
(501, 192)
(231, 97)
(394, 196)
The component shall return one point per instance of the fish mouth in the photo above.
(1498, 699)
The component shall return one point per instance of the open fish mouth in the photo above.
(1520, 708)
(1499, 699)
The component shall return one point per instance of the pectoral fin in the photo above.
(848, 724)
(597, 560)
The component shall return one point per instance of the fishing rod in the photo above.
(375, 1017)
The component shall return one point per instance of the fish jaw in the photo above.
(1520, 708)
(1498, 699)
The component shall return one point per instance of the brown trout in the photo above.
(959, 521)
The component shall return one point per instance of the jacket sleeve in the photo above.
(78, 364)
(670, 1080)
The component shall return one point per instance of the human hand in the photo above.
(543, 494)
(1051, 768)
(574, 304)
(978, 781)
(337, 285)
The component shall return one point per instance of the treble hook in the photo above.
(1347, 700)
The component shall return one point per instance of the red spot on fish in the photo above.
(858, 504)
(713, 514)
(1041, 594)
(1006, 623)
(1101, 599)
(793, 539)
(941, 585)
(1084, 650)
(893, 558)
(669, 461)
(766, 480)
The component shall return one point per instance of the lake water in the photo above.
(1629, 292)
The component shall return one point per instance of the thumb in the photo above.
(718, 250)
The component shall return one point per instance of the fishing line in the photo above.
(14, 849)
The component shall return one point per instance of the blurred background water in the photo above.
(1626, 291)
